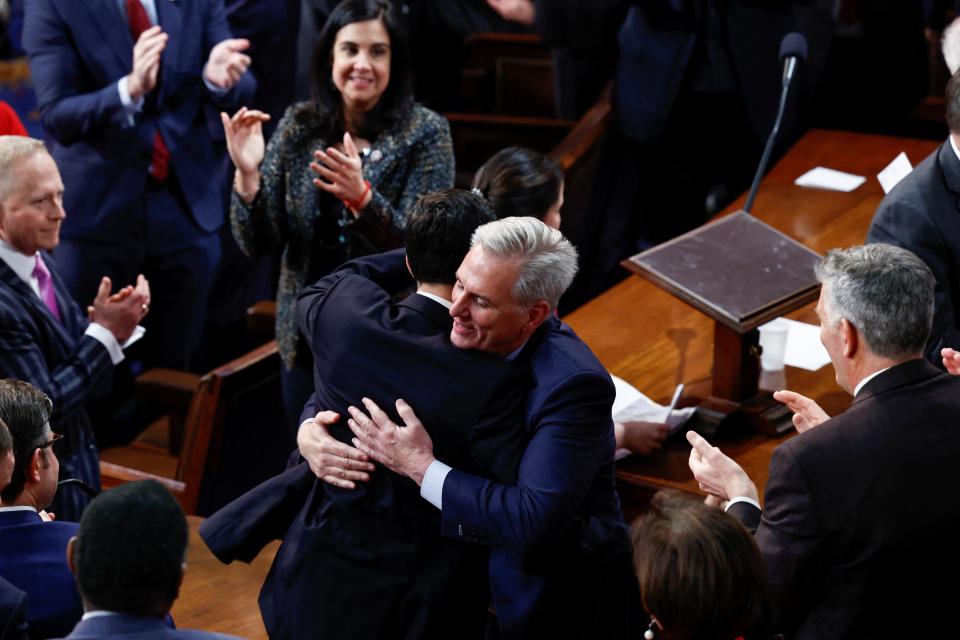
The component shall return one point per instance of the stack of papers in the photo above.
(823, 178)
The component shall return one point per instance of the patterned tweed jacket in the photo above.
(412, 158)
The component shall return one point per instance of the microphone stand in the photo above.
(768, 150)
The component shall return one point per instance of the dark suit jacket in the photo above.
(558, 534)
(140, 628)
(374, 556)
(78, 52)
(57, 358)
(922, 214)
(33, 557)
(860, 514)
(13, 612)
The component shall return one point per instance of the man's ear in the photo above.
(539, 312)
(406, 259)
(183, 571)
(850, 338)
(70, 550)
(33, 469)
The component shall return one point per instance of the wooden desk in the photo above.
(221, 597)
(654, 341)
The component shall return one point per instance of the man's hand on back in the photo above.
(332, 461)
(407, 450)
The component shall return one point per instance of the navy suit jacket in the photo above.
(922, 214)
(138, 628)
(33, 557)
(860, 514)
(57, 358)
(558, 533)
(13, 612)
(78, 51)
(371, 562)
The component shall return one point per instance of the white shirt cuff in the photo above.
(431, 489)
(734, 501)
(125, 98)
(103, 335)
(212, 87)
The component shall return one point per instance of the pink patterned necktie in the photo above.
(45, 284)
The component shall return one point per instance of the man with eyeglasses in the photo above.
(13, 601)
(32, 545)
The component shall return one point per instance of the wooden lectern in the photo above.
(742, 273)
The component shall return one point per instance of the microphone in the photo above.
(793, 51)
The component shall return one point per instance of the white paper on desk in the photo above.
(894, 172)
(631, 405)
(823, 178)
(804, 349)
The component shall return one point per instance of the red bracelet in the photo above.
(359, 201)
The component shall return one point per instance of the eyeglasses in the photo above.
(55, 439)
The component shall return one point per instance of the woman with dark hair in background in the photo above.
(701, 574)
(341, 170)
(522, 182)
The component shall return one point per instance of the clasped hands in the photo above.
(342, 171)
(121, 312)
(406, 449)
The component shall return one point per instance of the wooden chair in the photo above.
(262, 317)
(234, 433)
(476, 137)
(508, 97)
(578, 154)
(508, 74)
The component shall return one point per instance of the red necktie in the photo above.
(160, 157)
(849, 12)
(45, 284)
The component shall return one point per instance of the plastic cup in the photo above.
(773, 342)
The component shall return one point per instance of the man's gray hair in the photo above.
(548, 262)
(885, 292)
(13, 148)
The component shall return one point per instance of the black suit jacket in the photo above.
(371, 562)
(860, 514)
(922, 214)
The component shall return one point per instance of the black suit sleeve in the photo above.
(790, 535)
(906, 224)
(747, 514)
(241, 529)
